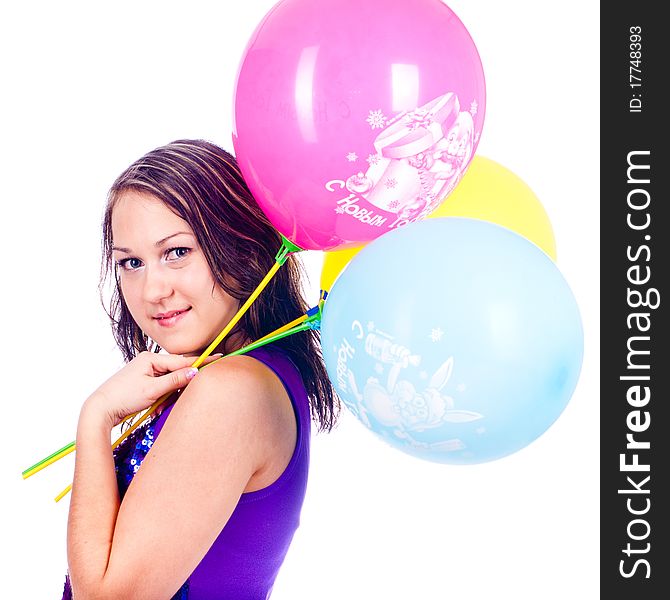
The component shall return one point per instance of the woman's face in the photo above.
(164, 276)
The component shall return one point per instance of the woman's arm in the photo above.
(94, 504)
(233, 425)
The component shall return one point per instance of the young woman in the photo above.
(203, 501)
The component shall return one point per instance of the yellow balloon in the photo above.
(333, 263)
(490, 192)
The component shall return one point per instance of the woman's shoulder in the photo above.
(254, 388)
(236, 377)
(251, 395)
(242, 366)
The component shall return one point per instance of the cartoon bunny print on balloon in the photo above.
(399, 405)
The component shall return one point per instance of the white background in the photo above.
(90, 87)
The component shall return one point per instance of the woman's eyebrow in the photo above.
(165, 239)
(157, 244)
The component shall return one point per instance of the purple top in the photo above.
(244, 560)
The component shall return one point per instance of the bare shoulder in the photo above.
(246, 394)
(237, 378)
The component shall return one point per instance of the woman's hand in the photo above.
(140, 383)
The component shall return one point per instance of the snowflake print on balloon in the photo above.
(436, 334)
(376, 119)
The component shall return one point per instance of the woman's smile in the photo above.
(168, 319)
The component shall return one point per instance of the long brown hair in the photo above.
(202, 184)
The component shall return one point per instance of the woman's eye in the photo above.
(130, 264)
(177, 253)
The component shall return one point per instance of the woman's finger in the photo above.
(173, 381)
(164, 363)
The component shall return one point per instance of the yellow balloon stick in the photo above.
(49, 460)
(64, 451)
(283, 328)
(64, 493)
(312, 314)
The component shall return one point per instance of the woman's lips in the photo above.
(168, 319)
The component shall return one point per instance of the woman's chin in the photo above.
(183, 349)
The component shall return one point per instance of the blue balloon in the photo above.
(455, 340)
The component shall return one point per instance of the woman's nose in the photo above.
(157, 284)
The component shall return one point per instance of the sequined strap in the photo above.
(129, 455)
(182, 593)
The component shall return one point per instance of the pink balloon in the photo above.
(354, 117)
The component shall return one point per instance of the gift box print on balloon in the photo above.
(349, 123)
(418, 159)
